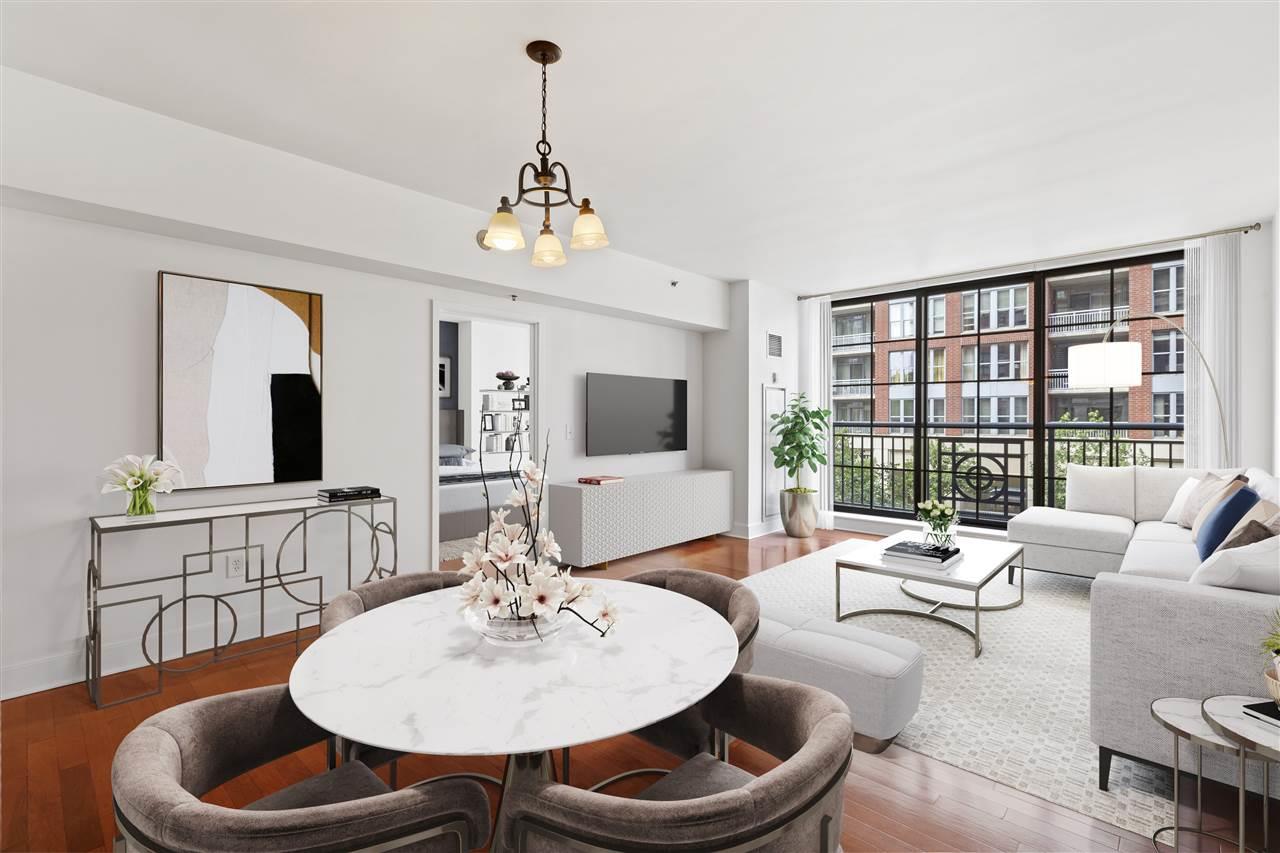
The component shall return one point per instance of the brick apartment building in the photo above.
(980, 365)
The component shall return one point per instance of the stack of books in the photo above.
(921, 554)
(348, 493)
(601, 480)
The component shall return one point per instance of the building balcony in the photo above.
(851, 389)
(1093, 321)
(846, 344)
(1058, 380)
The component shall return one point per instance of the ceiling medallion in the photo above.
(551, 182)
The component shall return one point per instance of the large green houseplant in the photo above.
(801, 433)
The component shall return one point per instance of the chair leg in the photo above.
(392, 773)
(1104, 768)
(564, 766)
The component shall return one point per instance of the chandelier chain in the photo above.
(544, 103)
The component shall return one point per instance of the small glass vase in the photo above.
(141, 503)
(509, 632)
(943, 537)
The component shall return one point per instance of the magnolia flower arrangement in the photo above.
(516, 581)
(940, 518)
(140, 477)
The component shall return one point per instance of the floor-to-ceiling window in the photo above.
(960, 392)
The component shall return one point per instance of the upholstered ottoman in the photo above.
(878, 676)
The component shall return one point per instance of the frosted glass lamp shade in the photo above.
(547, 251)
(588, 232)
(504, 232)
(1112, 364)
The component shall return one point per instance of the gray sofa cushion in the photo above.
(1156, 559)
(878, 676)
(1100, 490)
(1159, 531)
(1061, 528)
(1155, 489)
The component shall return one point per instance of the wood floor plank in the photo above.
(80, 825)
(44, 797)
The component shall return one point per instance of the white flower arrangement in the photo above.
(140, 476)
(514, 568)
(938, 516)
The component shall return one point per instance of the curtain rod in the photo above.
(1245, 229)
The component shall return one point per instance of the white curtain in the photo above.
(1213, 323)
(815, 383)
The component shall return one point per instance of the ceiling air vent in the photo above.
(773, 345)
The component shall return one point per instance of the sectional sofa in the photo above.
(1154, 633)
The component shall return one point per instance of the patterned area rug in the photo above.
(1019, 714)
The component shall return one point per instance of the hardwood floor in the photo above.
(56, 750)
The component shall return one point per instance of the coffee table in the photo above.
(981, 561)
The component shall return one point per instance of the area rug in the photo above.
(1019, 714)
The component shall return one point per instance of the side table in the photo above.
(1184, 719)
(1261, 741)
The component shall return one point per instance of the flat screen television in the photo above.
(636, 414)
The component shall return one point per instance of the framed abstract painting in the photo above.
(240, 381)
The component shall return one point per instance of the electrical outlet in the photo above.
(568, 432)
(235, 565)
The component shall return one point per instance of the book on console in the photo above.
(898, 560)
(600, 480)
(348, 493)
(922, 551)
(1267, 712)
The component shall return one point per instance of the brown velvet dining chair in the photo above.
(366, 597)
(686, 733)
(707, 804)
(173, 758)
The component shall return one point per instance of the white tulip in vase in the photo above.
(141, 477)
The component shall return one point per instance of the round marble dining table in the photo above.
(412, 676)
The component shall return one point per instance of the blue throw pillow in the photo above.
(1221, 520)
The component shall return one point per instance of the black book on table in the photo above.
(1268, 712)
(347, 493)
(922, 551)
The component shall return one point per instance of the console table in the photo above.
(152, 590)
(595, 524)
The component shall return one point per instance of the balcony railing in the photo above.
(858, 339)
(1093, 321)
(857, 388)
(1057, 380)
(988, 478)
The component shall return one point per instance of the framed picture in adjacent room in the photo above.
(487, 423)
(519, 404)
(240, 381)
(444, 366)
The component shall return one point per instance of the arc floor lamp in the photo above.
(1118, 364)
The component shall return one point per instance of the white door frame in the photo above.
(442, 310)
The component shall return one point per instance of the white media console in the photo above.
(595, 524)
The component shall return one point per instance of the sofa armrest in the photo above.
(1152, 638)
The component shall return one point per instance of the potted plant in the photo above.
(1272, 644)
(508, 379)
(802, 440)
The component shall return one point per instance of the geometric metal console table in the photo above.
(359, 514)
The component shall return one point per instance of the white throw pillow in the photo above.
(1106, 491)
(1180, 500)
(1253, 567)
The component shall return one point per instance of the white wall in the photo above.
(79, 330)
(736, 370)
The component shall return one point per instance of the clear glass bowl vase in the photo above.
(508, 632)
(943, 537)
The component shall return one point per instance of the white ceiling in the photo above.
(813, 147)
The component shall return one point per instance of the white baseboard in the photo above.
(742, 530)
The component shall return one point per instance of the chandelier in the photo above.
(550, 188)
